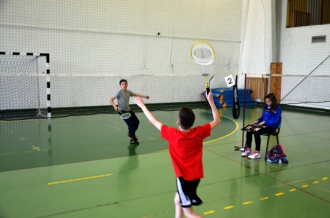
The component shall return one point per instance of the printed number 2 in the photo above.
(230, 81)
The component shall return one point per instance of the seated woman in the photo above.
(271, 117)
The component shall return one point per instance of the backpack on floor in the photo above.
(276, 155)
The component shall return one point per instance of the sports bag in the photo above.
(276, 155)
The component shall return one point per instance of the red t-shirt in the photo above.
(186, 150)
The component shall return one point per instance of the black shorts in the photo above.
(187, 191)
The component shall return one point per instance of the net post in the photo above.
(49, 114)
(244, 109)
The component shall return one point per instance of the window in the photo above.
(307, 12)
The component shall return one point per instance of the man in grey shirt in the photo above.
(122, 97)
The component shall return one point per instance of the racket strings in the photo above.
(203, 53)
(124, 115)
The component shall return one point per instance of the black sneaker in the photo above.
(134, 141)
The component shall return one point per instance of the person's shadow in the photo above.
(126, 178)
(131, 150)
(258, 172)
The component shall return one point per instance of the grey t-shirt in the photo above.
(123, 99)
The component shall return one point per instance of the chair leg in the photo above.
(277, 139)
(267, 147)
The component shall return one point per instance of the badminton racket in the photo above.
(124, 115)
(236, 106)
(202, 52)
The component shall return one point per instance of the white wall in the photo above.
(300, 56)
(267, 40)
(120, 37)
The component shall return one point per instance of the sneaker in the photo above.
(135, 141)
(255, 155)
(246, 152)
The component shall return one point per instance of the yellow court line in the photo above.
(209, 212)
(79, 179)
(236, 128)
(35, 148)
(279, 194)
(228, 207)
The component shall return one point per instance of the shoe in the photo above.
(134, 141)
(246, 152)
(255, 155)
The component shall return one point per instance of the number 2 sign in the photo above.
(230, 81)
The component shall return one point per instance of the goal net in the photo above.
(22, 86)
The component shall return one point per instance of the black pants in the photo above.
(133, 124)
(257, 137)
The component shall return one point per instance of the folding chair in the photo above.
(277, 131)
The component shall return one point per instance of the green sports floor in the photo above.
(84, 166)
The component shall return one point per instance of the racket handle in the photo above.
(207, 90)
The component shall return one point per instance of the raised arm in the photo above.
(216, 117)
(148, 114)
(141, 96)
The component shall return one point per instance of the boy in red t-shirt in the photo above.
(186, 148)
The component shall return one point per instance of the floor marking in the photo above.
(35, 148)
(115, 127)
(7, 153)
(79, 179)
(120, 124)
(22, 138)
(323, 189)
(209, 212)
(302, 180)
(236, 128)
(291, 190)
(11, 131)
(279, 194)
(151, 138)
